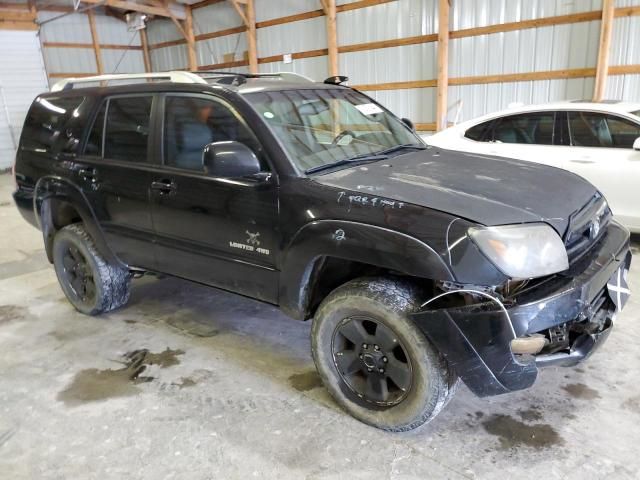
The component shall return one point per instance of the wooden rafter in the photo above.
(602, 67)
(246, 11)
(157, 8)
(145, 50)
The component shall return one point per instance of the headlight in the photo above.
(522, 251)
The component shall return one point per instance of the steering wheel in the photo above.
(341, 135)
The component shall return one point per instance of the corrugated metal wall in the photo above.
(559, 47)
(75, 28)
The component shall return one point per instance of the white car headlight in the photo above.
(522, 251)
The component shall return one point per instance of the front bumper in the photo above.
(475, 339)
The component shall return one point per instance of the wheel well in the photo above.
(56, 214)
(331, 272)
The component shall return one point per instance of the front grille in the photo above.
(586, 227)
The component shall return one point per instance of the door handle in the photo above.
(165, 187)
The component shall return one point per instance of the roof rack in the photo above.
(238, 78)
(173, 77)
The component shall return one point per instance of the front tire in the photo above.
(89, 281)
(374, 360)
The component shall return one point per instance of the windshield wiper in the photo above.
(348, 161)
(397, 148)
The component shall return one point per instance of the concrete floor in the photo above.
(236, 394)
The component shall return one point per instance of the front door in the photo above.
(219, 231)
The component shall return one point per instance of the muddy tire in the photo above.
(374, 360)
(89, 281)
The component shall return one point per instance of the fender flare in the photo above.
(353, 241)
(51, 187)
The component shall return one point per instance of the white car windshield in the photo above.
(320, 127)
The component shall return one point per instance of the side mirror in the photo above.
(409, 124)
(636, 144)
(230, 159)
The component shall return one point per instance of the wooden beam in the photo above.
(330, 12)
(206, 3)
(103, 46)
(396, 42)
(443, 65)
(246, 11)
(602, 67)
(155, 9)
(524, 77)
(191, 40)
(12, 25)
(372, 87)
(96, 43)
(145, 50)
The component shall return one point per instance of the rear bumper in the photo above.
(475, 339)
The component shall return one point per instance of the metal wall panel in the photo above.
(113, 31)
(474, 13)
(475, 100)
(292, 37)
(214, 50)
(70, 60)
(122, 61)
(162, 30)
(169, 58)
(315, 67)
(72, 28)
(536, 49)
(396, 64)
(22, 78)
(416, 104)
(267, 10)
(218, 16)
(399, 19)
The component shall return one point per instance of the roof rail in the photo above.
(242, 77)
(173, 77)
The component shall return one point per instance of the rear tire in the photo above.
(400, 384)
(89, 281)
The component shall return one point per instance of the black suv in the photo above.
(419, 266)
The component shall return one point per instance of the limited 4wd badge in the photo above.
(251, 244)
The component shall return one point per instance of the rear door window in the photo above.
(46, 121)
(127, 128)
(526, 128)
(623, 132)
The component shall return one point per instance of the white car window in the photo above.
(527, 128)
(590, 129)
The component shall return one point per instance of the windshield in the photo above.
(324, 126)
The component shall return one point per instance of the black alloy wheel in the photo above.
(78, 274)
(372, 361)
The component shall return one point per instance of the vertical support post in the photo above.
(96, 42)
(602, 67)
(191, 39)
(330, 12)
(145, 50)
(252, 42)
(443, 65)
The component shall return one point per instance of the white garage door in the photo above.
(22, 78)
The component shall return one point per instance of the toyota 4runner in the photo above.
(419, 266)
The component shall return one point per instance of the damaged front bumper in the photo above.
(579, 304)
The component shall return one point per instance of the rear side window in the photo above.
(623, 132)
(479, 132)
(127, 128)
(528, 128)
(46, 121)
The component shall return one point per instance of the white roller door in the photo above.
(22, 78)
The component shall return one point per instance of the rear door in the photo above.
(219, 231)
(114, 173)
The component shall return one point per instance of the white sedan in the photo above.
(599, 141)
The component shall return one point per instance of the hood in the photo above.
(483, 189)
